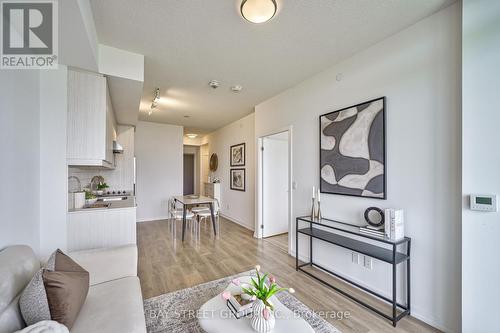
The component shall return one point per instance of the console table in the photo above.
(348, 236)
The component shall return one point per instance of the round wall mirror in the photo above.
(214, 162)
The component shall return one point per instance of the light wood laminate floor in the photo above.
(166, 264)
(281, 241)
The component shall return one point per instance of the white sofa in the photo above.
(114, 302)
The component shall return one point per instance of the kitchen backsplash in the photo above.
(120, 178)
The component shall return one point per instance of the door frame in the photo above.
(259, 213)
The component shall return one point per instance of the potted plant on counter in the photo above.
(101, 186)
(90, 197)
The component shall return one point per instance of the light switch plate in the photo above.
(355, 258)
(368, 262)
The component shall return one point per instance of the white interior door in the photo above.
(275, 184)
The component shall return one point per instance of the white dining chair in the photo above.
(175, 214)
(204, 214)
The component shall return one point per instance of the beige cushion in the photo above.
(18, 264)
(108, 264)
(112, 307)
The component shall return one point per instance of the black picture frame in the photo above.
(384, 146)
(243, 155)
(231, 185)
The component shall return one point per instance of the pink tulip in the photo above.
(265, 313)
(226, 295)
(236, 282)
(272, 279)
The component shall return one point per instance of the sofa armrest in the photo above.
(109, 263)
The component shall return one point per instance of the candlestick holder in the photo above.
(318, 212)
(313, 209)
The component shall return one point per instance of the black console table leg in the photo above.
(297, 245)
(394, 301)
(408, 289)
(311, 248)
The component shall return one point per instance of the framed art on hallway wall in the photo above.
(353, 150)
(237, 155)
(238, 181)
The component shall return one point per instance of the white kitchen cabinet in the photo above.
(91, 124)
(110, 129)
(91, 229)
(212, 190)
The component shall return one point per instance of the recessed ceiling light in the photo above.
(236, 88)
(191, 135)
(258, 11)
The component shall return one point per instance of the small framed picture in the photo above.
(238, 155)
(238, 179)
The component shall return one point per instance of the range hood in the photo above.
(117, 148)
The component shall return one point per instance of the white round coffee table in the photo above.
(215, 317)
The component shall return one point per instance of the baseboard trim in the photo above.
(236, 221)
(151, 219)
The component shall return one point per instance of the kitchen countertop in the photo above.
(120, 204)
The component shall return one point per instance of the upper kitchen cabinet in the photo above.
(91, 121)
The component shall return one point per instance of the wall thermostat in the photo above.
(483, 202)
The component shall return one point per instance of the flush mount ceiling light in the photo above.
(258, 11)
(192, 135)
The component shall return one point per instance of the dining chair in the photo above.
(175, 214)
(205, 215)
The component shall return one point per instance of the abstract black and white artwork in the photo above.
(352, 150)
(238, 155)
(237, 179)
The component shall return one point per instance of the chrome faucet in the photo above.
(94, 181)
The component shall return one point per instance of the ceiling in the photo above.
(187, 43)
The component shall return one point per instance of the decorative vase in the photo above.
(259, 322)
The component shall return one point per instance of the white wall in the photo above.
(20, 151)
(418, 70)
(275, 180)
(121, 63)
(53, 169)
(158, 149)
(237, 206)
(481, 164)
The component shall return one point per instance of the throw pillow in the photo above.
(46, 326)
(56, 292)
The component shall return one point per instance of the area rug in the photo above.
(175, 312)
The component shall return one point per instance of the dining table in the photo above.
(195, 200)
